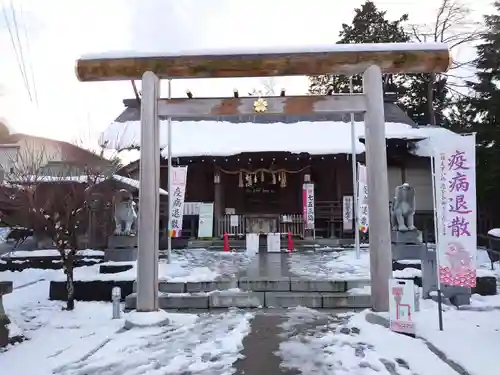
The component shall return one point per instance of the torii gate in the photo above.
(369, 59)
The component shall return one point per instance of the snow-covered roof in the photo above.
(82, 179)
(218, 138)
(434, 136)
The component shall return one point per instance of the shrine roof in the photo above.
(392, 112)
(324, 134)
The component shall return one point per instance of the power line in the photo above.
(14, 47)
(17, 46)
(30, 60)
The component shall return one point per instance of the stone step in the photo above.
(263, 284)
(250, 299)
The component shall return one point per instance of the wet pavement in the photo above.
(268, 265)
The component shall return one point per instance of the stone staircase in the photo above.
(240, 244)
(259, 292)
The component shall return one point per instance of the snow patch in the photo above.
(146, 319)
(495, 232)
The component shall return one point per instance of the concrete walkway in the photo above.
(260, 347)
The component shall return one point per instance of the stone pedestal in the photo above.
(121, 249)
(409, 237)
(408, 246)
(122, 242)
(5, 288)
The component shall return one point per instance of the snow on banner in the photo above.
(455, 184)
(176, 199)
(363, 223)
(308, 205)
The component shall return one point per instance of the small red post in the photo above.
(226, 242)
(290, 242)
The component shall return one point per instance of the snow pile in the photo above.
(200, 138)
(356, 347)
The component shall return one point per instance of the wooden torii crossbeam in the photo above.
(371, 60)
(341, 59)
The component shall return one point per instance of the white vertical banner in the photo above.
(455, 184)
(176, 199)
(347, 212)
(308, 205)
(363, 223)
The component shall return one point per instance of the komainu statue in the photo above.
(125, 213)
(403, 208)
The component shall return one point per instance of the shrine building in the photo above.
(252, 168)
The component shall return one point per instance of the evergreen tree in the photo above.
(370, 25)
(485, 106)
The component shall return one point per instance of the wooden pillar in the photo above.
(218, 199)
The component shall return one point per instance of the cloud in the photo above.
(59, 31)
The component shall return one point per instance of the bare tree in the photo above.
(268, 88)
(57, 205)
(452, 24)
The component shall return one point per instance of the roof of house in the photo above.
(69, 151)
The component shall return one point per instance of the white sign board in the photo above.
(234, 220)
(347, 211)
(308, 205)
(206, 220)
(363, 223)
(402, 305)
(456, 207)
(176, 199)
(273, 243)
(252, 244)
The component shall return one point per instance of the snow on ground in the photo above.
(50, 253)
(195, 265)
(205, 344)
(344, 265)
(470, 338)
(354, 347)
(87, 341)
(29, 276)
(186, 265)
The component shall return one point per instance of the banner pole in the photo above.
(436, 238)
(169, 173)
(354, 178)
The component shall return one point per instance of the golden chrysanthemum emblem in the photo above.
(260, 105)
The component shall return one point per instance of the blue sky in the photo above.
(57, 32)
